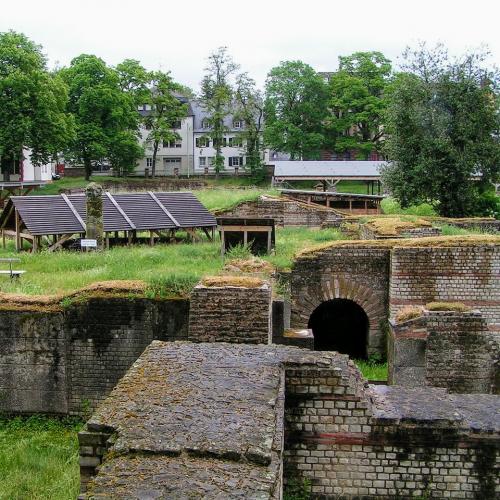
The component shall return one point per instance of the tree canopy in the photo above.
(295, 108)
(442, 126)
(32, 103)
(103, 112)
(217, 97)
(166, 110)
(356, 103)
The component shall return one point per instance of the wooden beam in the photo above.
(59, 242)
(251, 229)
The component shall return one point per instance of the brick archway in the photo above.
(373, 302)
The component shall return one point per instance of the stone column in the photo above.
(95, 226)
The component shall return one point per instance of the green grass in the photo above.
(169, 269)
(372, 370)
(38, 458)
(218, 199)
(391, 207)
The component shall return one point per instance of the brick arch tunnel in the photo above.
(340, 325)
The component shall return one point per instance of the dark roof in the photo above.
(333, 194)
(61, 214)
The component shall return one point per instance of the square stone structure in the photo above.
(231, 309)
(219, 420)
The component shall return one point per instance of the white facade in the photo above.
(194, 152)
(174, 158)
(31, 172)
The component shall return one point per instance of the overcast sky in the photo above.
(178, 36)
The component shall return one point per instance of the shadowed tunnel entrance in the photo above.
(340, 325)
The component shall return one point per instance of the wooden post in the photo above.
(350, 205)
(35, 244)
(3, 238)
(151, 238)
(223, 242)
(245, 237)
(327, 202)
(366, 206)
(18, 230)
(269, 240)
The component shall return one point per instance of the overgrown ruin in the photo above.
(184, 405)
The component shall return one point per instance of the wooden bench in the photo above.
(11, 272)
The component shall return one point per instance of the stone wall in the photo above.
(228, 313)
(468, 274)
(391, 442)
(357, 273)
(67, 361)
(285, 212)
(367, 233)
(33, 362)
(445, 349)
(234, 419)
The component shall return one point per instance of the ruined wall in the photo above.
(351, 446)
(358, 273)
(33, 362)
(468, 274)
(230, 314)
(445, 349)
(285, 212)
(105, 337)
(67, 361)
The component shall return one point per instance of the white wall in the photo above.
(36, 173)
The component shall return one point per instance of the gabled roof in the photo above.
(61, 214)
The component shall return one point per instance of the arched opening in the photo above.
(340, 325)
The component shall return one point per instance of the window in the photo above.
(149, 162)
(172, 144)
(223, 142)
(211, 161)
(235, 142)
(172, 162)
(202, 142)
(203, 161)
(205, 123)
(177, 124)
(235, 161)
(237, 124)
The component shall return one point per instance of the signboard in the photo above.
(85, 243)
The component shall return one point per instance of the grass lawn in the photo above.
(38, 459)
(171, 269)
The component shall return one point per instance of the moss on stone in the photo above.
(237, 281)
(447, 306)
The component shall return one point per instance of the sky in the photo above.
(178, 36)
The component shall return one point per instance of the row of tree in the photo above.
(437, 119)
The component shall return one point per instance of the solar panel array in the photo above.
(121, 212)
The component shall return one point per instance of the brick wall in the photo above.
(469, 274)
(230, 314)
(68, 361)
(284, 212)
(357, 273)
(445, 349)
(347, 447)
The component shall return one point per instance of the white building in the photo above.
(24, 170)
(194, 152)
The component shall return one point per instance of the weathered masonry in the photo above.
(347, 291)
(237, 421)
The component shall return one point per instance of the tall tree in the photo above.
(217, 98)
(133, 79)
(442, 124)
(101, 109)
(166, 110)
(295, 107)
(32, 104)
(249, 108)
(356, 103)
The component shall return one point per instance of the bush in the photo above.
(392, 207)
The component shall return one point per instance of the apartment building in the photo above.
(193, 153)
